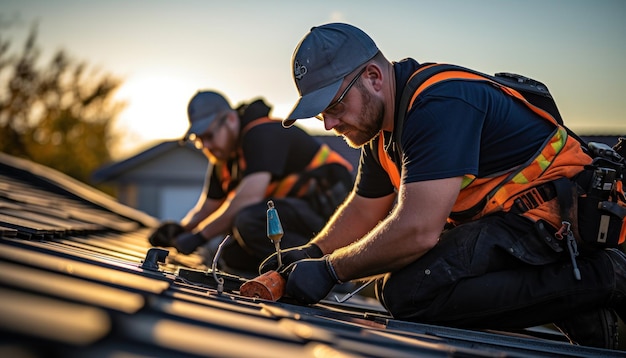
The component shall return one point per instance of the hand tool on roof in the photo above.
(270, 285)
(274, 229)
(219, 280)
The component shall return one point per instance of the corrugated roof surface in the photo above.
(78, 279)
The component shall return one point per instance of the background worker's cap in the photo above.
(322, 59)
(202, 110)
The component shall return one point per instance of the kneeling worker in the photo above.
(254, 159)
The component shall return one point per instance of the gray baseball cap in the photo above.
(322, 59)
(203, 107)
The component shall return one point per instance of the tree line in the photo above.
(59, 113)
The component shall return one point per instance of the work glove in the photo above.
(288, 256)
(309, 280)
(187, 242)
(165, 234)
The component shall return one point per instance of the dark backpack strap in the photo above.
(411, 86)
(534, 91)
(565, 197)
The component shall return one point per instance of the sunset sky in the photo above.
(166, 50)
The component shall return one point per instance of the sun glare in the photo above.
(156, 109)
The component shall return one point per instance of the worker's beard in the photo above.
(370, 117)
(226, 150)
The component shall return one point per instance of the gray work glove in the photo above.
(165, 234)
(289, 256)
(186, 243)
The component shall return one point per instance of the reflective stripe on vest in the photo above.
(560, 156)
(324, 155)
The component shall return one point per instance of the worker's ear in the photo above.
(232, 119)
(374, 76)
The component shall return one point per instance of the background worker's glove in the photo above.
(165, 234)
(187, 243)
(309, 280)
(288, 256)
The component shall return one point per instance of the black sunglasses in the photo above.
(343, 94)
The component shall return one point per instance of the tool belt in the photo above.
(534, 197)
(601, 205)
(593, 203)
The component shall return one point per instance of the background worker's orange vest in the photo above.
(283, 187)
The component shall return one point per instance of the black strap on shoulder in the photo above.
(534, 91)
(414, 82)
(564, 192)
(411, 86)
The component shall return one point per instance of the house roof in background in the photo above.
(113, 170)
(80, 280)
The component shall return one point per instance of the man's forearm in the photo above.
(389, 246)
(198, 214)
(353, 220)
(410, 231)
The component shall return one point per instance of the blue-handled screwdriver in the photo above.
(274, 229)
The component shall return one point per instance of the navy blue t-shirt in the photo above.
(454, 128)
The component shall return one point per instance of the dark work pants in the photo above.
(496, 273)
(299, 221)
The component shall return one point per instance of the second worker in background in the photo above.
(253, 159)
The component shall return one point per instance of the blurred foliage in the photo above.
(59, 114)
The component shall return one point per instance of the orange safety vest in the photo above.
(282, 187)
(560, 156)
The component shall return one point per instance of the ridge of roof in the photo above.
(113, 169)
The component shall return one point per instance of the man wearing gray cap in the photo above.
(254, 159)
(433, 210)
